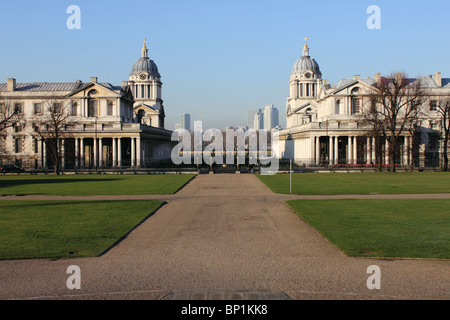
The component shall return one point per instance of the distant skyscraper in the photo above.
(258, 122)
(270, 117)
(186, 121)
(251, 118)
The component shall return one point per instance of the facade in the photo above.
(324, 121)
(107, 126)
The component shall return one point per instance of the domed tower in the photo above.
(304, 76)
(145, 83)
(304, 88)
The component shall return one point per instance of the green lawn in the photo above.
(360, 183)
(54, 229)
(92, 184)
(382, 228)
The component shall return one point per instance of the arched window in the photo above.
(355, 101)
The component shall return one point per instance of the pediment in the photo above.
(94, 90)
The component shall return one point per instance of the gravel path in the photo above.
(225, 232)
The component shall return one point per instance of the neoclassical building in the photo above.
(108, 126)
(324, 121)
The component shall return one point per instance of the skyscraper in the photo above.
(186, 121)
(270, 117)
(251, 118)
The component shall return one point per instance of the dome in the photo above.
(144, 64)
(306, 63)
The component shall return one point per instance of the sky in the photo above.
(218, 59)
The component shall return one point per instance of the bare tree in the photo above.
(444, 110)
(8, 114)
(8, 118)
(52, 127)
(394, 108)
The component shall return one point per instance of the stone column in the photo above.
(138, 152)
(114, 153)
(405, 151)
(331, 147)
(349, 150)
(374, 154)
(133, 150)
(100, 152)
(82, 153)
(63, 151)
(95, 153)
(44, 155)
(386, 152)
(119, 152)
(77, 153)
(368, 151)
(336, 150)
(317, 150)
(355, 150)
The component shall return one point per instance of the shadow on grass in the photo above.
(24, 182)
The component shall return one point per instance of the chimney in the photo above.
(377, 77)
(94, 79)
(438, 79)
(11, 85)
(124, 84)
(356, 77)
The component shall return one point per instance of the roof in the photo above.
(52, 86)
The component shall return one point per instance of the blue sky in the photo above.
(218, 59)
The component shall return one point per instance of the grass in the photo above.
(360, 183)
(92, 184)
(382, 228)
(55, 229)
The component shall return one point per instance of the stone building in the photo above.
(324, 121)
(108, 126)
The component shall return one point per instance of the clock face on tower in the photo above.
(143, 76)
(307, 75)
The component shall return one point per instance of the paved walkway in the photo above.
(222, 234)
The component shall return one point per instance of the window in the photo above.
(74, 108)
(18, 145)
(93, 108)
(356, 102)
(355, 90)
(110, 108)
(18, 128)
(18, 108)
(433, 105)
(37, 108)
(2, 108)
(57, 107)
(337, 107)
